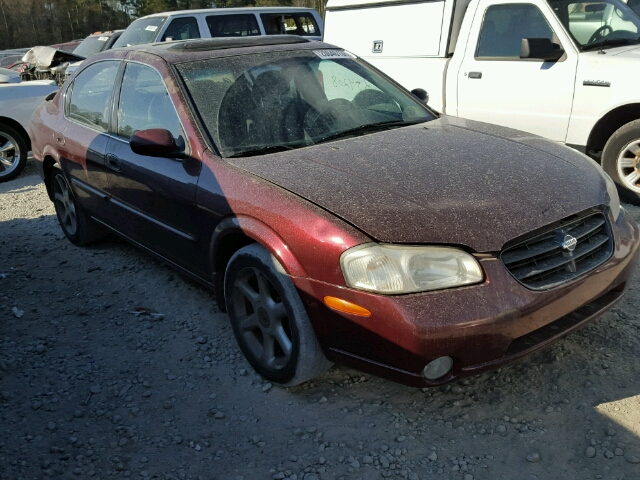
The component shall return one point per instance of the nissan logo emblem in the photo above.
(569, 243)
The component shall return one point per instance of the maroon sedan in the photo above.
(333, 214)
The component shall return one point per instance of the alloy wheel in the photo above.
(65, 205)
(9, 154)
(629, 165)
(262, 319)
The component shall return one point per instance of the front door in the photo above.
(496, 86)
(153, 197)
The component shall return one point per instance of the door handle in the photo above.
(113, 162)
(60, 138)
(475, 74)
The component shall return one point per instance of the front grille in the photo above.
(545, 261)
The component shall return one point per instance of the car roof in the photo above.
(223, 11)
(199, 49)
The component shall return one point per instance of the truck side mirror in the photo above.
(421, 94)
(540, 49)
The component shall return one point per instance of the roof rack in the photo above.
(237, 42)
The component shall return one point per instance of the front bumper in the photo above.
(481, 327)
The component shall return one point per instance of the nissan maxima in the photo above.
(333, 214)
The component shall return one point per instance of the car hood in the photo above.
(449, 181)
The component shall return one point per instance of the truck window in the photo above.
(505, 26)
(292, 24)
(233, 25)
(144, 30)
(598, 24)
(183, 28)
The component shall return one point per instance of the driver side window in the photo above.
(145, 103)
(505, 26)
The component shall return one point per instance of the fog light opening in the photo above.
(437, 368)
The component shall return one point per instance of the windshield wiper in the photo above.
(268, 149)
(368, 128)
(610, 43)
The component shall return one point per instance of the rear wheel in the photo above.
(78, 227)
(13, 153)
(621, 159)
(269, 320)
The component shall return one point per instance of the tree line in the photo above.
(27, 23)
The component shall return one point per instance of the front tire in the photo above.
(78, 227)
(621, 159)
(269, 320)
(13, 153)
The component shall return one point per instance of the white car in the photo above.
(18, 101)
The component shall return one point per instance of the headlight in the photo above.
(614, 199)
(394, 269)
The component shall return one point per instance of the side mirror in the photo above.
(540, 49)
(421, 94)
(51, 96)
(154, 142)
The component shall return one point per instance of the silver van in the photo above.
(222, 22)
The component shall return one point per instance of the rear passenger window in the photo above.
(291, 23)
(182, 29)
(505, 26)
(233, 25)
(145, 103)
(89, 98)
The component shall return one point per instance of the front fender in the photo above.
(261, 233)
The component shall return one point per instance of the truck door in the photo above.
(496, 86)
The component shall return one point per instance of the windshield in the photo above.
(141, 31)
(598, 24)
(91, 46)
(272, 101)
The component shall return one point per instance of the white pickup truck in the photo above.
(563, 69)
(18, 101)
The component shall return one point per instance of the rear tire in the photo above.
(621, 160)
(13, 153)
(78, 227)
(269, 320)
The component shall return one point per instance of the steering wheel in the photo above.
(327, 113)
(599, 33)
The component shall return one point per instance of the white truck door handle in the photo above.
(475, 74)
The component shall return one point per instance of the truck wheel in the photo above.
(269, 320)
(621, 159)
(13, 153)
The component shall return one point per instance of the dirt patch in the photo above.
(112, 365)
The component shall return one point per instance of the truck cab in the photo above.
(562, 69)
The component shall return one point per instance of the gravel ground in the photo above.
(112, 365)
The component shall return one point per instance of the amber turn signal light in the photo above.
(347, 307)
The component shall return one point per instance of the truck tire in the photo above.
(621, 160)
(13, 153)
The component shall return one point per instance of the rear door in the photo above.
(153, 198)
(496, 86)
(82, 138)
